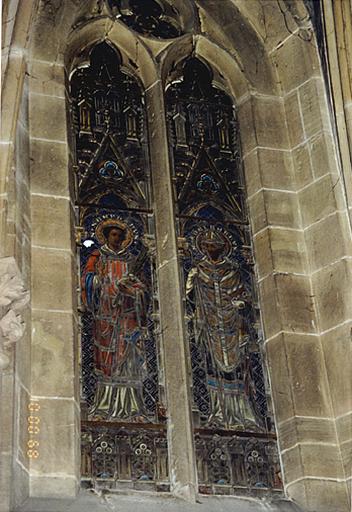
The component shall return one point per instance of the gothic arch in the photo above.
(136, 56)
(227, 65)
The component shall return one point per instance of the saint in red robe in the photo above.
(115, 297)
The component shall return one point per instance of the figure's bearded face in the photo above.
(115, 238)
(214, 250)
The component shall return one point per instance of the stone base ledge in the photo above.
(89, 501)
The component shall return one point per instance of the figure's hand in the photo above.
(130, 284)
(126, 289)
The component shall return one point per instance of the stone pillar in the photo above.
(182, 464)
(302, 247)
(14, 243)
(337, 21)
(13, 299)
(54, 358)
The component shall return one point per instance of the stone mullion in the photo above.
(182, 465)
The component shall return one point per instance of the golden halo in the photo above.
(114, 223)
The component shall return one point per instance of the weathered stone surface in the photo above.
(245, 119)
(257, 213)
(302, 360)
(180, 437)
(276, 169)
(53, 279)
(295, 303)
(302, 167)
(337, 349)
(268, 168)
(55, 487)
(294, 121)
(43, 47)
(314, 111)
(57, 447)
(306, 367)
(53, 221)
(47, 78)
(320, 495)
(269, 307)
(229, 29)
(5, 478)
(288, 250)
(269, 125)
(317, 200)
(23, 350)
(322, 154)
(309, 377)
(280, 250)
(141, 502)
(274, 208)
(276, 25)
(263, 255)
(282, 209)
(328, 240)
(48, 118)
(295, 60)
(11, 97)
(333, 294)
(6, 414)
(344, 427)
(280, 385)
(54, 345)
(50, 171)
(318, 460)
(346, 452)
(21, 433)
(252, 173)
(21, 490)
(219, 59)
(306, 429)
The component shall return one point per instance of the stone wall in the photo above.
(298, 187)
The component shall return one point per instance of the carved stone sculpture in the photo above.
(13, 298)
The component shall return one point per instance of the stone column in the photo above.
(54, 353)
(302, 246)
(337, 21)
(13, 299)
(175, 354)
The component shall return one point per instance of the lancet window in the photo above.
(120, 383)
(123, 395)
(232, 422)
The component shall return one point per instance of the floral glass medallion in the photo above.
(152, 18)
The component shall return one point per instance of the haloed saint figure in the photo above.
(217, 298)
(116, 299)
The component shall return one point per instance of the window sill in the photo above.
(89, 501)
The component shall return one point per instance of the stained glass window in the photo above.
(232, 422)
(123, 407)
(123, 404)
(156, 18)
